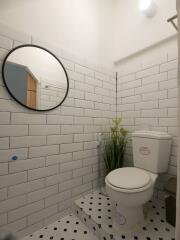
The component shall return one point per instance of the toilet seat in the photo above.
(129, 179)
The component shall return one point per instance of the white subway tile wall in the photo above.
(57, 151)
(147, 98)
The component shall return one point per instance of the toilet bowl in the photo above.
(131, 187)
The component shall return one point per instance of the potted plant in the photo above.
(113, 146)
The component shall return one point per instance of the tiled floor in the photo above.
(67, 228)
(98, 210)
(92, 220)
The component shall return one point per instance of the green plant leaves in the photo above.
(114, 145)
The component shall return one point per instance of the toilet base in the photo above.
(127, 218)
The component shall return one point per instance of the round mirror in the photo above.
(35, 77)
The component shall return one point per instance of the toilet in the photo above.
(131, 187)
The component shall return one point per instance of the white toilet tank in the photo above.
(151, 150)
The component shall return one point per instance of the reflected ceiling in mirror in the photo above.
(35, 77)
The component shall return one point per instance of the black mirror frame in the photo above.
(3, 77)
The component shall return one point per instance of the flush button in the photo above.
(14, 158)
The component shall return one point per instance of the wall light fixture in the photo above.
(148, 7)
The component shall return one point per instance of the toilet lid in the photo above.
(128, 178)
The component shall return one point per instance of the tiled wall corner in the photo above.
(58, 159)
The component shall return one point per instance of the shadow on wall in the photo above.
(7, 236)
(11, 4)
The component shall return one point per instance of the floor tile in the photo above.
(92, 220)
(99, 209)
(67, 228)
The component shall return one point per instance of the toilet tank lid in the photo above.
(151, 134)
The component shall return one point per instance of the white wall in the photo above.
(147, 98)
(102, 31)
(134, 32)
(57, 150)
(82, 27)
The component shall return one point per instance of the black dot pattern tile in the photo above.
(93, 220)
(101, 210)
(69, 228)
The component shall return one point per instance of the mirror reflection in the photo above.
(35, 77)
